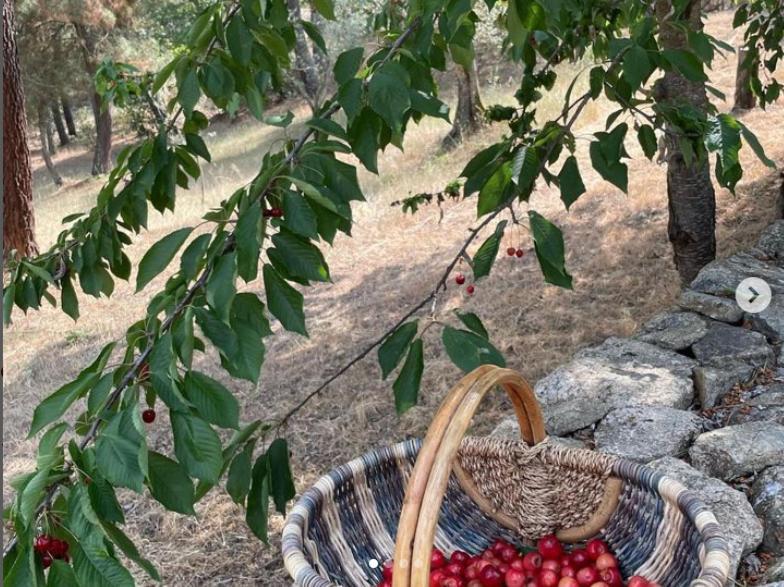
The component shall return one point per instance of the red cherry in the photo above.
(453, 582)
(508, 554)
(461, 557)
(566, 560)
(471, 571)
(437, 559)
(599, 584)
(46, 560)
(612, 577)
(459, 279)
(511, 251)
(596, 548)
(386, 569)
(148, 416)
(385, 583)
(437, 577)
(519, 253)
(579, 558)
(278, 212)
(587, 576)
(532, 561)
(517, 563)
(568, 571)
(551, 565)
(470, 290)
(498, 545)
(637, 581)
(58, 548)
(514, 578)
(547, 578)
(568, 582)
(549, 546)
(606, 561)
(491, 577)
(474, 583)
(454, 570)
(42, 543)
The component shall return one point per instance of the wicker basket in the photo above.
(462, 493)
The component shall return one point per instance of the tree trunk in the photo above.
(744, 97)
(62, 135)
(46, 154)
(690, 194)
(468, 114)
(49, 135)
(18, 217)
(68, 115)
(101, 114)
(305, 64)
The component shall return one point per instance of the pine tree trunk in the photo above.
(68, 115)
(690, 194)
(46, 153)
(102, 115)
(744, 97)
(18, 216)
(59, 126)
(468, 114)
(49, 134)
(305, 64)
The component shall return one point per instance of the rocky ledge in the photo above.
(698, 394)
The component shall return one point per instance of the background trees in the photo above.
(271, 232)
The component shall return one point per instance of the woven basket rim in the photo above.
(715, 557)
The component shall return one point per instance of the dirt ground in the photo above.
(617, 251)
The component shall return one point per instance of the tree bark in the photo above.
(468, 114)
(68, 115)
(18, 216)
(744, 97)
(49, 135)
(46, 153)
(101, 114)
(59, 126)
(305, 63)
(690, 194)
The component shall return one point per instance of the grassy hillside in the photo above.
(617, 251)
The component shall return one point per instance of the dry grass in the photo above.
(618, 253)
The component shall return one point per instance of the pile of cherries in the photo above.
(550, 565)
(50, 548)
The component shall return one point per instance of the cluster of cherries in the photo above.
(515, 252)
(460, 279)
(550, 565)
(272, 213)
(50, 548)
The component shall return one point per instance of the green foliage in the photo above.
(232, 55)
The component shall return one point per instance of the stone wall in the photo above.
(698, 394)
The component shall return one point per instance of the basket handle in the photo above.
(428, 481)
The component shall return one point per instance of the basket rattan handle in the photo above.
(427, 485)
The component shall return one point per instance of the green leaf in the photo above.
(95, 567)
(724, 136)
(486, 254)
(121, 452)
(258, 499)
(221, 284)
(302, 259)
(283, 301)
(428, 104)
(248, 238)
(388, 94)
(549, 246)
(104, 500)
(32, 495)
(164, 74)
(61, 574)
(325, 8)
(525, 169)
(350, 97)
(158, 257)
(129, 549)
(636, 66)
(281, 482)
(315, 35)
(494, 192)
(8, 301)
(169, 484)
(240, 40)
(686, 63)
(68, 300)
(606, 153)
(596, 81)
(280, 120)
(390, 353)
(56, 404)
(364, 134)
(755, 145)
(327, 126)
(473, 323)
(570, 182)
(255, 101)
(647, 139)
(197, 146)
(192, 257)
(189, 92)
(216, 404)
(197, 446)
(298, 216)
(162, 361)
(468, 350)
(39, 272)
(238, 481)
(347, 65)
(406, 386)
(250, 324)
